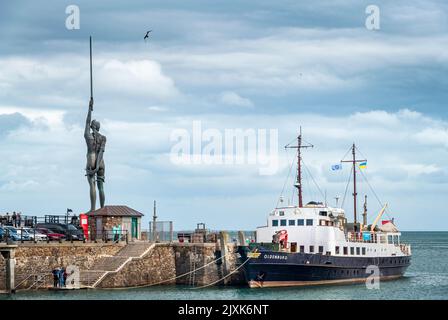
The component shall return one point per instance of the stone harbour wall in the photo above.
(158, 265)
(163, 262)
(195, 255)
(43, 258)
(168, 261)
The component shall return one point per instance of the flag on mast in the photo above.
(336, 167)
(363, 165)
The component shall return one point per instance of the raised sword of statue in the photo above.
(96, 143)
(91, 82)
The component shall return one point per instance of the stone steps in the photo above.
(112, 263)
(88, 278)
(109, 263)
(133, 250)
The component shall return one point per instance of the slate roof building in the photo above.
(112, 222)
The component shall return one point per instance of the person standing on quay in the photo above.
(55, 273)
(61, 277)
(14, 219)
(19, 219)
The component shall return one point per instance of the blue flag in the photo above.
(336, 167)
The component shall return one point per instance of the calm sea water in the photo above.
(426, 278)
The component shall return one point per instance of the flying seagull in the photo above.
(147, 35)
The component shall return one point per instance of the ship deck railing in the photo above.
(373, 237)
(378, 237)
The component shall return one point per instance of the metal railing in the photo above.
(373, 237)
(110, 236)
(378, 237)
(37, 280)
(161, 231)
(22, 221)
(32, 221)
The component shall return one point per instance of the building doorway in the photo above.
(134, 228)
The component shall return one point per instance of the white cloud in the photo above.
(233, 99)
(22, 186)
(38, 116)
(62, 80)
(141, 77)
(157, 108)
(433, 136)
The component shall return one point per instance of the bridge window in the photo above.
(300, 222)
(358, 251)
(345, 251)
(311, 249)
(337, 250)
(283, 222)
(352, 251)
(323, 213)
(302, 249)
(309, 222)
(282, 213)
(321, 249)
(390, 239)
(275, 223)
(292, 222)
(363, 251)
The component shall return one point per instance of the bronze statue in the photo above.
(95, 167)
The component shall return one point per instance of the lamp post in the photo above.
(66, 222)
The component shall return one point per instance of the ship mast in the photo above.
(299, 146)
(354, 161)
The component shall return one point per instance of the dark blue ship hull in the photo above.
(268, 268)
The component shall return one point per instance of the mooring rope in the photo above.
(176, 277)
(215, 282)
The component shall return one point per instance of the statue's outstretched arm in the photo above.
(88, 119)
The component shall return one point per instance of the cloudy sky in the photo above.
(234, 64)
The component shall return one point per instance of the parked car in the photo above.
(6, 231)
(69, 230)
(51, 234)
(22, 234)
(31, 233)
(13, 231)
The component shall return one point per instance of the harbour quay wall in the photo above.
(168, 264)
(157, 266)
(192, 264)
(195, 255)
(33, 261)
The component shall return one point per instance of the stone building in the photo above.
(111, 221)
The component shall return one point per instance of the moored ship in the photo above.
(315, 244)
